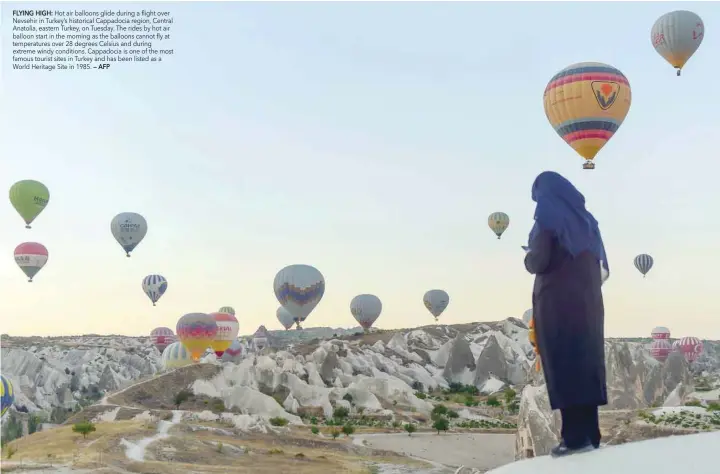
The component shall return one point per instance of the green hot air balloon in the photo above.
(29, 198)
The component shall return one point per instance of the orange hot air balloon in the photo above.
(196, 331)
(586, 103)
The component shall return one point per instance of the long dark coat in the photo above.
(569, 322)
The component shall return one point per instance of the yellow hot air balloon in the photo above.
(586, 103)
(498, 222)
(196, 332)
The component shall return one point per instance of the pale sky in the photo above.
(369, 140)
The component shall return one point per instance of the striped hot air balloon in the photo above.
(676, 345)
(660, 332)
(498, 223)
(196, 331)
(644, 263)
(691, 347)
(31, 257)
(154, 287)
(228, 329)
(7, 394)
(586, 103)
(227, 310)
(176, 355)
(162, 337)
(660, 349)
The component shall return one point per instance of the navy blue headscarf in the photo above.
(561, 210)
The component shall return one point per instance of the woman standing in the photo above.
(565, 251)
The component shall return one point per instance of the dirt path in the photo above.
(481, 451)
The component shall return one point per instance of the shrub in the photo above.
(439, 411)
(84, 428)
(421, 395)
(452, 414)
(693, 403)
(181, 397)
(492, 401)
(410, 428)
(510, 395)
(348, 398)
(275, 451)
(314, 430)
(334, 433)
(278, 421)
(713, 406)
(396, 424)
(313, 420)
(341, 412)
(219, 447)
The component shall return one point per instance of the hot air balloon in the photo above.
(660, 349)
(644, 263)
(233, 353)
(366, 309)
(196, 331)
(527, 316)
(498, 222)
(260, 339)
(31, 257)
(176, 355)
(228, 328)
(299, 288)
(227, 310)
(660, 332)
(128, 228)
(162, 337)
(676, 36)
(586, 103)
(29, 198)
(436, 301)
(691, 347)
(154, 287)
(676, 345)
(7, 394)
(285, 318)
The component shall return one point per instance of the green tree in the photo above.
(341, 412)
(509, 395)
(410, 428)
(334, 433)
(492, 401)
(348, 429)
(84, 428)
(441, 424)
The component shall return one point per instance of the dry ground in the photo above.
(193, 449)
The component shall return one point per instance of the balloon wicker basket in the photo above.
(588, 165)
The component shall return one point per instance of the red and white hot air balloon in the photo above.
(228, 328)
(691, 348)
(162, 337)
(660, 349)
(660, 332)
(676, 345)
(31, 257)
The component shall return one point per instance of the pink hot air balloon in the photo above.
(691, 348)
(660, 332)
(660, 349)
(31, 257)
(162, 337)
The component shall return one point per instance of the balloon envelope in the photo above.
(7, 394)
(31, 257)
(176, 355)
(660, 349)
(643, 263)
(676, 36)
(228, 328)
(586, 103)
(154, 287)
(436, 301)
(162, 337)
(527, 316)
(128, 228)
(227, 309)
(299, 288)
(233, 353)
(366, 309)
(196, 331)
(29, 198)
(285, 318)
(660, 332)
(498, 222)
(691, 347)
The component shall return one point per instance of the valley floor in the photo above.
(477, 450)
